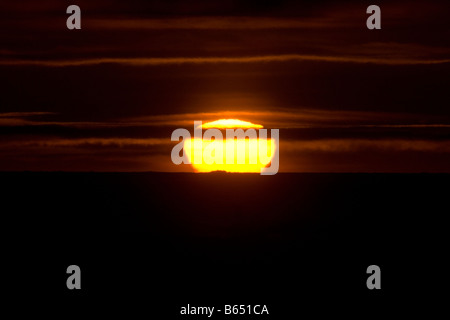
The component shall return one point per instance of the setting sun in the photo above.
(243, 151)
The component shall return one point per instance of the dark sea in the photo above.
(149, 244)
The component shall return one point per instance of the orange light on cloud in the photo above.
(230, 124)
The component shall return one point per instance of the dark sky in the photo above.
(107, 97)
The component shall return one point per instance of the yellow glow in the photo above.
(230, 124)
(233, 154)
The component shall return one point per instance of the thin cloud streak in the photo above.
(286, 119)
(287, 146)
(221, 60)
(300, 118)
(355, 145)
(87, 142)
(25, 114)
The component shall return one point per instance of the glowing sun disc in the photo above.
(247, 154)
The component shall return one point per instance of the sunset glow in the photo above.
(247, 154)
(230, 124)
